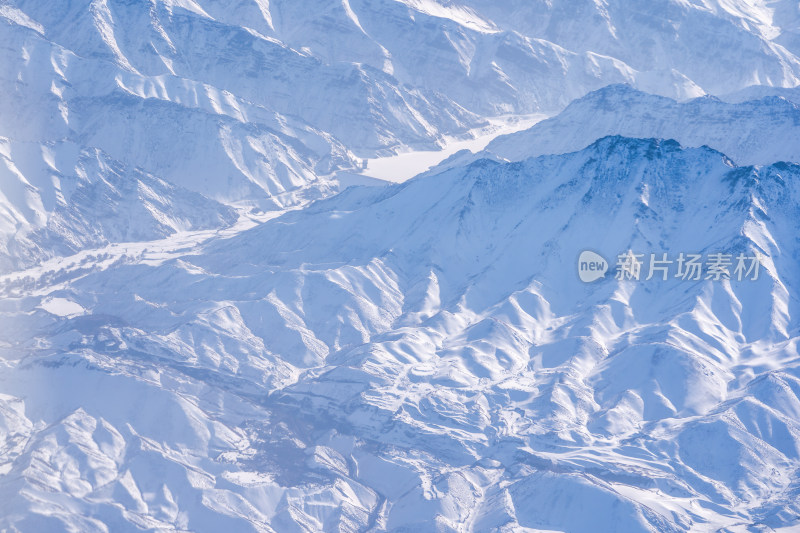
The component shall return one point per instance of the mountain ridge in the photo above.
(461, 377)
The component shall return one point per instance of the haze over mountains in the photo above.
(205, 329)
(753, 132)
(257, 104)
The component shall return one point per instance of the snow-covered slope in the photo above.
(718, 45)
(84, 199)
(757, 92)
(201, 329)
(257, 104)
(196, 135)
(424, 357)
(372, 74)
(755, 132)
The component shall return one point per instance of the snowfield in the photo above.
(311, 266)
(342, 366)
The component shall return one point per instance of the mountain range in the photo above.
(213, 320)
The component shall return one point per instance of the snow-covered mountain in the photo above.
(751, 132)
(91, 200)
(425, 357)
(258, 103)
(206, 328)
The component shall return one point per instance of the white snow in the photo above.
(62, 307)
(403, 166)
(463, 15)
(214, 319)
(758, 131)
(345, 356)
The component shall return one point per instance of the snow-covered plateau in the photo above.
(312, 266)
